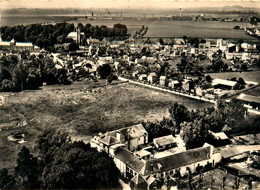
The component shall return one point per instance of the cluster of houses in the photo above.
(149, 164)
(215, 89)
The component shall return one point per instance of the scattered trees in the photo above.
(29, 73)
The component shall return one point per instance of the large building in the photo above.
(146, 163)
(17, 46)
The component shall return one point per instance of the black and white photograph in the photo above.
(130, 94)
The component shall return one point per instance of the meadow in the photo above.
(82, 109)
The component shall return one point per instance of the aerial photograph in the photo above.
(130, 94)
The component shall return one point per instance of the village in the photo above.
(176, 65)
(179, 66)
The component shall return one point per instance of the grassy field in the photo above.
(82, 109)
(202, 29)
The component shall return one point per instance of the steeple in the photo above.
(78, 40)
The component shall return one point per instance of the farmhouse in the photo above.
(136, 158)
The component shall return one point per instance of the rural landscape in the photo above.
(133, 97)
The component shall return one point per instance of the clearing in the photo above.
(82, 109)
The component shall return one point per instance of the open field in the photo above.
(157, 28)
(202, 29)
(247, 76)
(82, 109)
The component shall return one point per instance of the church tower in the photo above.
(78, 39)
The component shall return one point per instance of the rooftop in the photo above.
(249, 98)
(165, 140)
(223, 82)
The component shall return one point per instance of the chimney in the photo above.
(152, 167)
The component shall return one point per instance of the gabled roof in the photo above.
(134, 131)
(23, 44)
(162, 77)
(109, 140)
(165, 140)
(249, 98)
(150, 180)
(221, 135)
(138, 179)
(176, 160)
(130, 159)
(223, 82)
(152, 74)
(143, 153)
(3, 43)
(229, 152)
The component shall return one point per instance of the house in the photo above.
(152, 78)
(173, 84)
(131, 137)
(163, 81)
(188, 85)
(224, 84)
(204, 89)
(164, 142)
(142, 77)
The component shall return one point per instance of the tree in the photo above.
(72, 165)
(179, 113)
(73, 47)
(76, 165)
(208, 78)
(27, 172)
(194, 133)
(6, 180)
(244, 67)
(161, 41)
(104, 71)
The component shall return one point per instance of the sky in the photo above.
(154, 4)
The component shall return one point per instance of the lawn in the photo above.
(82, 109)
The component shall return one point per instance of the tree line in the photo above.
(61, 164)
(194, 126)
(29, 72)
(45, 36)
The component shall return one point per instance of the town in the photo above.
(212, 147)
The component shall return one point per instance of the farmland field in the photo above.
(157, 28)
(203, 29)
(82, 109)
